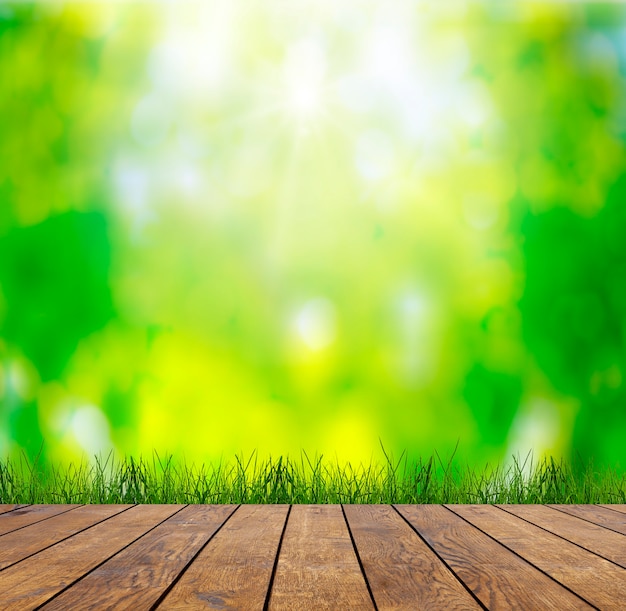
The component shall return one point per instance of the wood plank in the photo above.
(8, 507)
(29, 515)
(498, 578)
(318, 567)
(233, 571)
(35, 580)
(139, 575)
(27, 541)
(596, 514)
(403, 572)
(598, 581)
(605, 543)
(620, 508)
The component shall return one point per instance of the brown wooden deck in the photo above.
(336, 557)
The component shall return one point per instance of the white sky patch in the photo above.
(388, 55)
(356, 93)
(413, 79)
(304, 72)
(191, 145)
(455, 56)
(185, 178)
(252, 169)
(474, 105)
(414, 312)
(536, 427)
(316, 323)
(374, 156)
(151, 120)
(91, 430)
(451, 9)
(195, 53)
(132, 184)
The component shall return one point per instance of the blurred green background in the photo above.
(236, 226)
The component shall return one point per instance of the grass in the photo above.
(284, 480)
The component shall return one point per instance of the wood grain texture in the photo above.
(30, 514)
(620, 508)
(402, 571)
(610, 545)
(498, 578)
(138, 576)
(234, 570)
(22, 543)
(7, 507)
(318, 567)
(598, 515)
(35, 580)
(595, 579)
(222, 557)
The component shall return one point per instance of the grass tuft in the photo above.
(283, 480)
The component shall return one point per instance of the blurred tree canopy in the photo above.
(226, 228)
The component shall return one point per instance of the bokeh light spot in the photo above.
(374, 157)
(316, 323)
(151, 120)
(91, 430)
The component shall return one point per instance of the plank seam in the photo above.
(68, 586)
(567, 513)
(65, 538)
(270, 585)
(38, 521)
(167, 590)
(611, 509)
(564, 538)
(432, 549)
(17, 506)
(524, 559)
(358, 557)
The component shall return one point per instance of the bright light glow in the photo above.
(315, 323)
(22, 378)
(304, 72)
(374, 157)
(304, 99)
(356, 93)
(133, 188)
(389, 54)
(194, 54)
(417, 332)
(151, 120)
(91, 430)
(474, 106)
(536, 427)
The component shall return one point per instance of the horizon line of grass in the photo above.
(284, 480)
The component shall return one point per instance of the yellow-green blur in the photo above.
(313, 225)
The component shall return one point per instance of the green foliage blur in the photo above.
(228, 227)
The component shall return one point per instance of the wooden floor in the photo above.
(312, 557)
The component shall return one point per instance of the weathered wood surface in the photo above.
(594, 579)
(496, 576)
(144, 557)
(24, 516)
(613, 520)
(403, 572)
(318, 561)
(592, 537)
